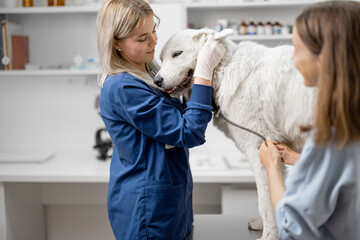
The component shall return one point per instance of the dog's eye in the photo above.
(176, 54)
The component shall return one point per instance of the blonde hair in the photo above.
(116, 20)
(331, 30)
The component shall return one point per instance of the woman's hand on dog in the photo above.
(269, 155)
(270, 158)
(288, 155)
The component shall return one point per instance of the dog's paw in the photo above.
(256, 224)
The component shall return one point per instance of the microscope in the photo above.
(102, 139)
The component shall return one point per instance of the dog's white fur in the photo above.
(255, 86)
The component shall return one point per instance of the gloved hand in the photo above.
(208, 58)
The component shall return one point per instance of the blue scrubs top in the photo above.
(150, 186)
(322, 199)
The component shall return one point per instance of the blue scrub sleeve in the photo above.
(201, 94)
(158, 118)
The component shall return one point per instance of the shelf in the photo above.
(61, 9)
(57, 9)
(263, 4)
(261, 37)
(49, 72)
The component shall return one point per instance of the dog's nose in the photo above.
(158, 80)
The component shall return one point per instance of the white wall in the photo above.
(172, 20)
(58, 113)
(40, 113)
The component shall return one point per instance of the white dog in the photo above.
(254, 86)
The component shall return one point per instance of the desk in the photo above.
(82, 166)
(26, 187)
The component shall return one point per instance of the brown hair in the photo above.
(331, 30)
(116, 20)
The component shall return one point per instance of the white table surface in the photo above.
(223, 227)
(83, 166)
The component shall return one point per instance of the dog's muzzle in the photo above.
(158, 80)
(184, 84)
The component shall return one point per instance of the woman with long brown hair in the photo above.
(321, 196)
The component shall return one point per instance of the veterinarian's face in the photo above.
(139, 47)
(305, 61)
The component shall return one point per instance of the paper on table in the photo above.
(207, 162)
(216, 161)
(25, 157)
(238, 162)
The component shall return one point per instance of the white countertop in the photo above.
(84, 167)
(224, 227)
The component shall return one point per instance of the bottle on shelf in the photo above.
(277, 28)
(268, 28)
(56, 3)
(217, 26)
(285, 29)
(243, 28)
(223, 23)
(290, 27)
(191, 25)
(234, 27)
(251, 28)
(260, 28)
(27, 3)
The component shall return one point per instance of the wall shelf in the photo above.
(261, 37)
(230, 14)
(61, 9)
(263, 4)
(58, 34)
(49, 72)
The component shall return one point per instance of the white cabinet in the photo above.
(205, 14)
(58, 34)
(53, 108)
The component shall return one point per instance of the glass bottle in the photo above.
(277, 28)
(234, 27)
(251, 29)
(268, 28)
(56, 3)
(27, 3)
(260, 28)
(243, 28)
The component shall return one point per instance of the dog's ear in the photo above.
(223, 34)
(201, 35)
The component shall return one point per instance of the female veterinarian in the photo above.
(321, 199)
(150, 187)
